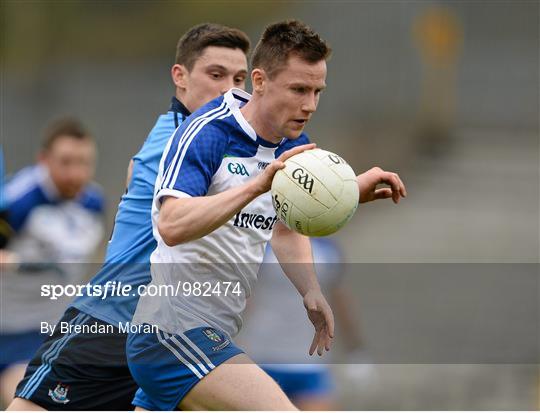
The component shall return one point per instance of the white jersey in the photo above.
(53, 238)
(214, 150)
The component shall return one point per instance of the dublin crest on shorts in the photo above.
(59, 394)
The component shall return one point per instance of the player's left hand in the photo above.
(368, 181)
(320, 314)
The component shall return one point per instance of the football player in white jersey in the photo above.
(212, 217)
(56, 214)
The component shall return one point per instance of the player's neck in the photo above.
(183, 99)
(253, 115)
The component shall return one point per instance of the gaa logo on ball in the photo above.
(316, 193)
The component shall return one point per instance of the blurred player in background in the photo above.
(6, 257)
(210, 59)
(275, 308)
(56, 213)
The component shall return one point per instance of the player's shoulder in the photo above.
(200, 140)
(206, 125)
(162, 130)
(165, 125)
(25, 183)
(207, 115)
(92, 198)
(26, 190)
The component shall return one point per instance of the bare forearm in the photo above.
(185, 219)
(129, 172)
(293, 252)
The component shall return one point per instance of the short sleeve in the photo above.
(22, 194)
(192, 161)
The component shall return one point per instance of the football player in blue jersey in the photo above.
(212, 218)
(80, 371)
(56, 214)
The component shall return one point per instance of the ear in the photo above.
(179, 74)
(258, 80)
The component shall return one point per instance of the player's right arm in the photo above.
(129, 173)
(186, 219)
(186, 212)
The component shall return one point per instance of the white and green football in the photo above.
(316, 193)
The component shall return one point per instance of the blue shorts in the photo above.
(18, 348)
(302, 383)
(75, 370)
(167, 366)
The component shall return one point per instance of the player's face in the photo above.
(216, 71)
(71, 164)
(292, 96)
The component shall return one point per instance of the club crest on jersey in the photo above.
(59, 394)
(212, 335)
(236, 168)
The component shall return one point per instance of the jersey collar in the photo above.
(235, 99)
(177, 106)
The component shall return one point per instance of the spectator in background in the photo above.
(56, 215)
(276, 334)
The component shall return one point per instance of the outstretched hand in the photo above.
(264, 180)
(368, 181)
(320, 314)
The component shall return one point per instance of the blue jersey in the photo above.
(128, 253)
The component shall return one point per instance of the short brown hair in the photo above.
(192, 44)
(66, 126)
(282, 39)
